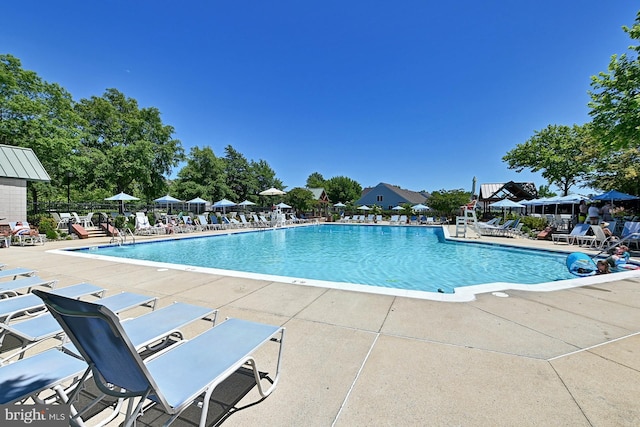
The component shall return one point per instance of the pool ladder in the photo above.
(122, 237)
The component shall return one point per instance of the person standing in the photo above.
(583, 209)
(594, 214)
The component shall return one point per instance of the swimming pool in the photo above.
(384, 257)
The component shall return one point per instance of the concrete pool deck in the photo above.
(568, 357)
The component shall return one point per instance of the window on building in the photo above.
(379, 198)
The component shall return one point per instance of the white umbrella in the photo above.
(122, 197)
(272, 192)
(420, 207)
(339, 205)
(246, 203)
(283, 205)
(397, 208)
(224, 204)
(197, 201)
(506, 203)
(364, 208)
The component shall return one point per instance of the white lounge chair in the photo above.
(580, 230)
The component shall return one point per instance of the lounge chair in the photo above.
(34, 330)
(62, 223)
(244, 222)
(25, 234)
(142, 227)
(395, 220)
(15, 272)
(16, 307)
(15, 287)
(174, 379)
(35, 374)
(631, 233)
(578, 231)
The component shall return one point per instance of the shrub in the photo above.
(48, 227)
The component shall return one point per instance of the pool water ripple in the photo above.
(413, 258)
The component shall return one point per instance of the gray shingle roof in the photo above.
(22, 163)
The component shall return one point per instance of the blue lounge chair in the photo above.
(14, 287)
(44, 326)
(14, 307)
(631, 233)
(174, 379)
(15, 272)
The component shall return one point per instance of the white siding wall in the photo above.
(13, 199)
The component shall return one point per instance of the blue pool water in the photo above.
(412, 258)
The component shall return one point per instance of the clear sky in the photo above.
(421, 94)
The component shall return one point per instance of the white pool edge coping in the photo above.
(462, 294)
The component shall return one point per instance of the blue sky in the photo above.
(421, 94)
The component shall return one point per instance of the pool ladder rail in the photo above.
(125, 236)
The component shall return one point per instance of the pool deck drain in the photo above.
(565, 357)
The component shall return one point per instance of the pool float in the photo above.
(581, 265)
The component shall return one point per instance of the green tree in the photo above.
(615, 169)
(315, 180)
(300, 199)
(137, 149)
(264, 177)
(448, 202)
(557, 152)
(343, 189)
(40, 116)
(615, 98)
(240, 180)
(202, 176)
(545, 191)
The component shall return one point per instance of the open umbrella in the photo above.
(246, 203)
(167, 200)
(420, 207)
(364, 208)
(506, 203)
(122, 197)
(197, 201)
(397, 208)
(224, 204)
(614, 195)
(272, 192)
(339, 205)
(283, 206)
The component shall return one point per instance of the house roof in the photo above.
(409, 196)
(319, 194)
(511, 190)
(21, 163)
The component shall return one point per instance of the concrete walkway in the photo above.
(563, 358)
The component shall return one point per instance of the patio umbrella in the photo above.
(614, 195)
(272, 192)
(283, 206)
(122, 197)
(364, 208)
(246, 203)
(506, 203)
(197, 201)
(397, 208)
(420, 207)
(339, 205)
(167, 199)
(224, 204)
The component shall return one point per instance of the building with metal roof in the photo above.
(17, 166)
